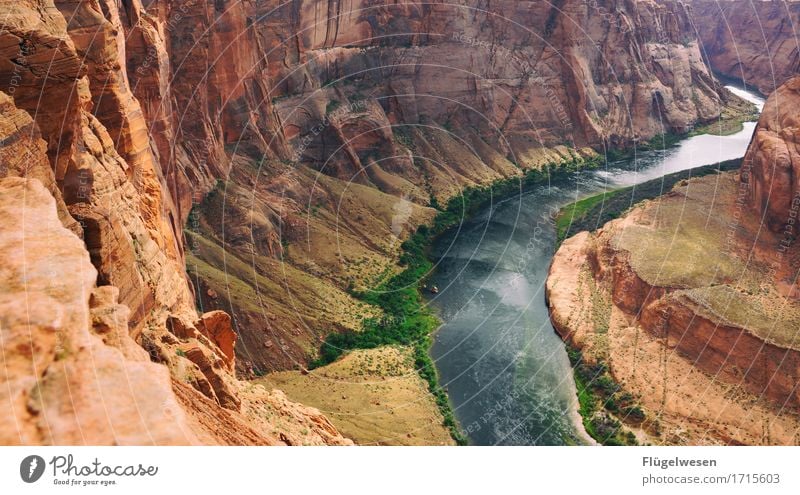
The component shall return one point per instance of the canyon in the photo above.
(374, 128)
(193, 192)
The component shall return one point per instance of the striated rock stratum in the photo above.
(73, 375)
(94, 285)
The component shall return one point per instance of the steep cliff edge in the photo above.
(76, 155)
(72, 374)
(692, 300)
(771, 167)
(755, 42)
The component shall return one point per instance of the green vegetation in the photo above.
(593, 212)
(757, 308)
(600, 396)
(406, 321)
(722, 127)
(736, 112)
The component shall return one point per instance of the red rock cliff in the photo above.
(771, 167)
(113, 304)
(751, 41)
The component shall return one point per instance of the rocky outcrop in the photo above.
(50, 348)
(67, 77)
(696, 296)
(96, 31)
(702, 340)
(24, 154)
(755, 42)
(199, 70)
(216, 326)
(73, 336)
(771, 168)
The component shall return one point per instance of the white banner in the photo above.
(406, 470)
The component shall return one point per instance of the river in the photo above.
(504, 367)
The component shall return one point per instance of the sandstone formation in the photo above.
(73, 336)
(755, 42)
(63, 383)
(49, 67)
(23, 154)
(70, 122)
(771, 168)
(692, 300)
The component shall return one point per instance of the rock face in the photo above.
(71, 124)
(520, 76)
(73, 336)
(751, 41)
(258, 77)
(50, 348)
(700, 302)
(108, 179)
(216, 326)
(24, 154)
(771, 168)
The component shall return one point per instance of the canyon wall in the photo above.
(771, 167)
(95, 294)
(755, 42)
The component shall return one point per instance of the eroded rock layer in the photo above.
(104, 305)
(771, 168)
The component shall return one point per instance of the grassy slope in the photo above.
(736, 112)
